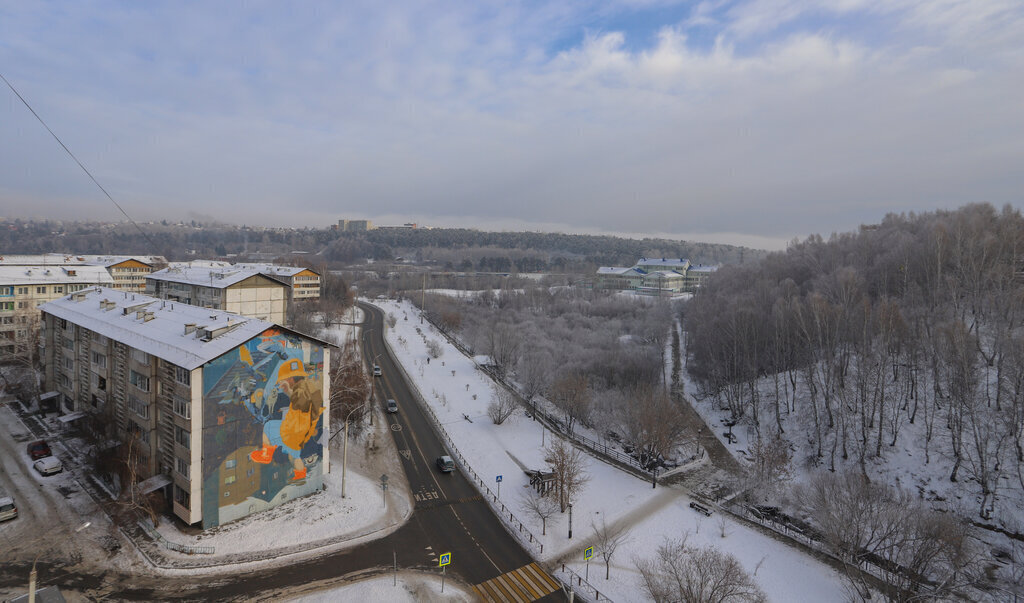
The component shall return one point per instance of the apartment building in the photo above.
(129, 272)
(303, 283)
(240, 290)
(225, 415)
(24, 287)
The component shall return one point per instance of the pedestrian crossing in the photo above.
(528, 583)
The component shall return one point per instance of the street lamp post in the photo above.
(570, 520)
(344, 447)
(33, 576)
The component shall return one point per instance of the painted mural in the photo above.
(262, 426)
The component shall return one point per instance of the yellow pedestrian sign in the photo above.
(587, 554)
(445, 559)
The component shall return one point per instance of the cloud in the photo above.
(771, 119)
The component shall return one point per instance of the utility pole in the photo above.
(570, 520)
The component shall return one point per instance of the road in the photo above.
(449, 516)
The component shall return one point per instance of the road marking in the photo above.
(396, 427)
(406, 454)
(527, 583)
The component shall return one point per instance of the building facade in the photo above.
(240, 290)
(226, 415)
(654, 276)
(303, 283)
(24, 287)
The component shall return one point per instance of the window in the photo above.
(183, 376)
(62, 323)
(99, 360)
(181, 496)
(7, 320)
(229, 480)
(22, 290)
(69, 362)
(99, 382)
(22, 305)
(134, 429)
(7, 305)
(138, 407)
(230, 464)
(6, 291)
(182, 467)
(41, 289)
(68, 342)
(140, 357)
(182, 407)
(138, 380)
(182, 437)
(58, 289)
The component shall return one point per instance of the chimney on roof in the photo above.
(189, 327)
(147, 316)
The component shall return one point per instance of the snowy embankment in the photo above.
(459, 394)
(408, 588)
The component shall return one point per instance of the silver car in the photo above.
(392, 405)
(8, 510)
(48, 465)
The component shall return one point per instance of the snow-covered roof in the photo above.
(217, 278)
(42, 275)
(188, 336)
(200, 264)
(74, 259)
(274, 269)
(673, 262)
(664, 274)
(616, 270)
(703, 268)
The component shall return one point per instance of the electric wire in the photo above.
(72, 155)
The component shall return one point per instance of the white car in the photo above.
(376, 371)
(8, 510)
(48, 465)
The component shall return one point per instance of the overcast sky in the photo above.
(738, 121)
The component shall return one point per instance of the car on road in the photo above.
(8, 510)
(392, 406)
(39, 449)
(445, 464)
(48, 465)
(376, 371)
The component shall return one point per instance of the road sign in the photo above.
(587, 554)
(445, 559)
(498, 479)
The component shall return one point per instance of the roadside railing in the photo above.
(151, 531)
(512, 524)
(582, 589)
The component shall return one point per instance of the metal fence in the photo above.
(583, 589)
(152, 532)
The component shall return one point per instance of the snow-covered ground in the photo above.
(459, 394)
(411, 587)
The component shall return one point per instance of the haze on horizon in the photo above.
(745, 121)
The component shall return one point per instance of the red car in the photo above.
(38, 450)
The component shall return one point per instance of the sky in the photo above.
(739, 121)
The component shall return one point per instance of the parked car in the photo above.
(8, 510)
(392, 405)
(39, 449)
(445, 464)
(376, 371)
(48, 465)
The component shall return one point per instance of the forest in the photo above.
(900, 344)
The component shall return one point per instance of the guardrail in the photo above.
(513, 525)
(152, 532)
(584, 588)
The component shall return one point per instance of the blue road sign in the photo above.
(445, 559)
(498, 479)
(587, 554)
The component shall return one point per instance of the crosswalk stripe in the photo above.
(521, 585)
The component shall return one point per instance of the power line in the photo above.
(72, 155)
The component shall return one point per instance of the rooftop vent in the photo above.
(189, 327)
(148, 316)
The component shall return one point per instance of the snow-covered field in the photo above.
(459, 395)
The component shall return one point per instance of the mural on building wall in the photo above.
(262, 425)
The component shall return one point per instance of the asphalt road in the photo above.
(449, 516)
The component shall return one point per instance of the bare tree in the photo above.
(503, 345)
(568, 465)
(350, 388)
(571, 394)
(503, 404)
(608, 539)
(434, 348)
(653, 423)
(771, 466)
(679, 573)
(540, 506)
(534, 374)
